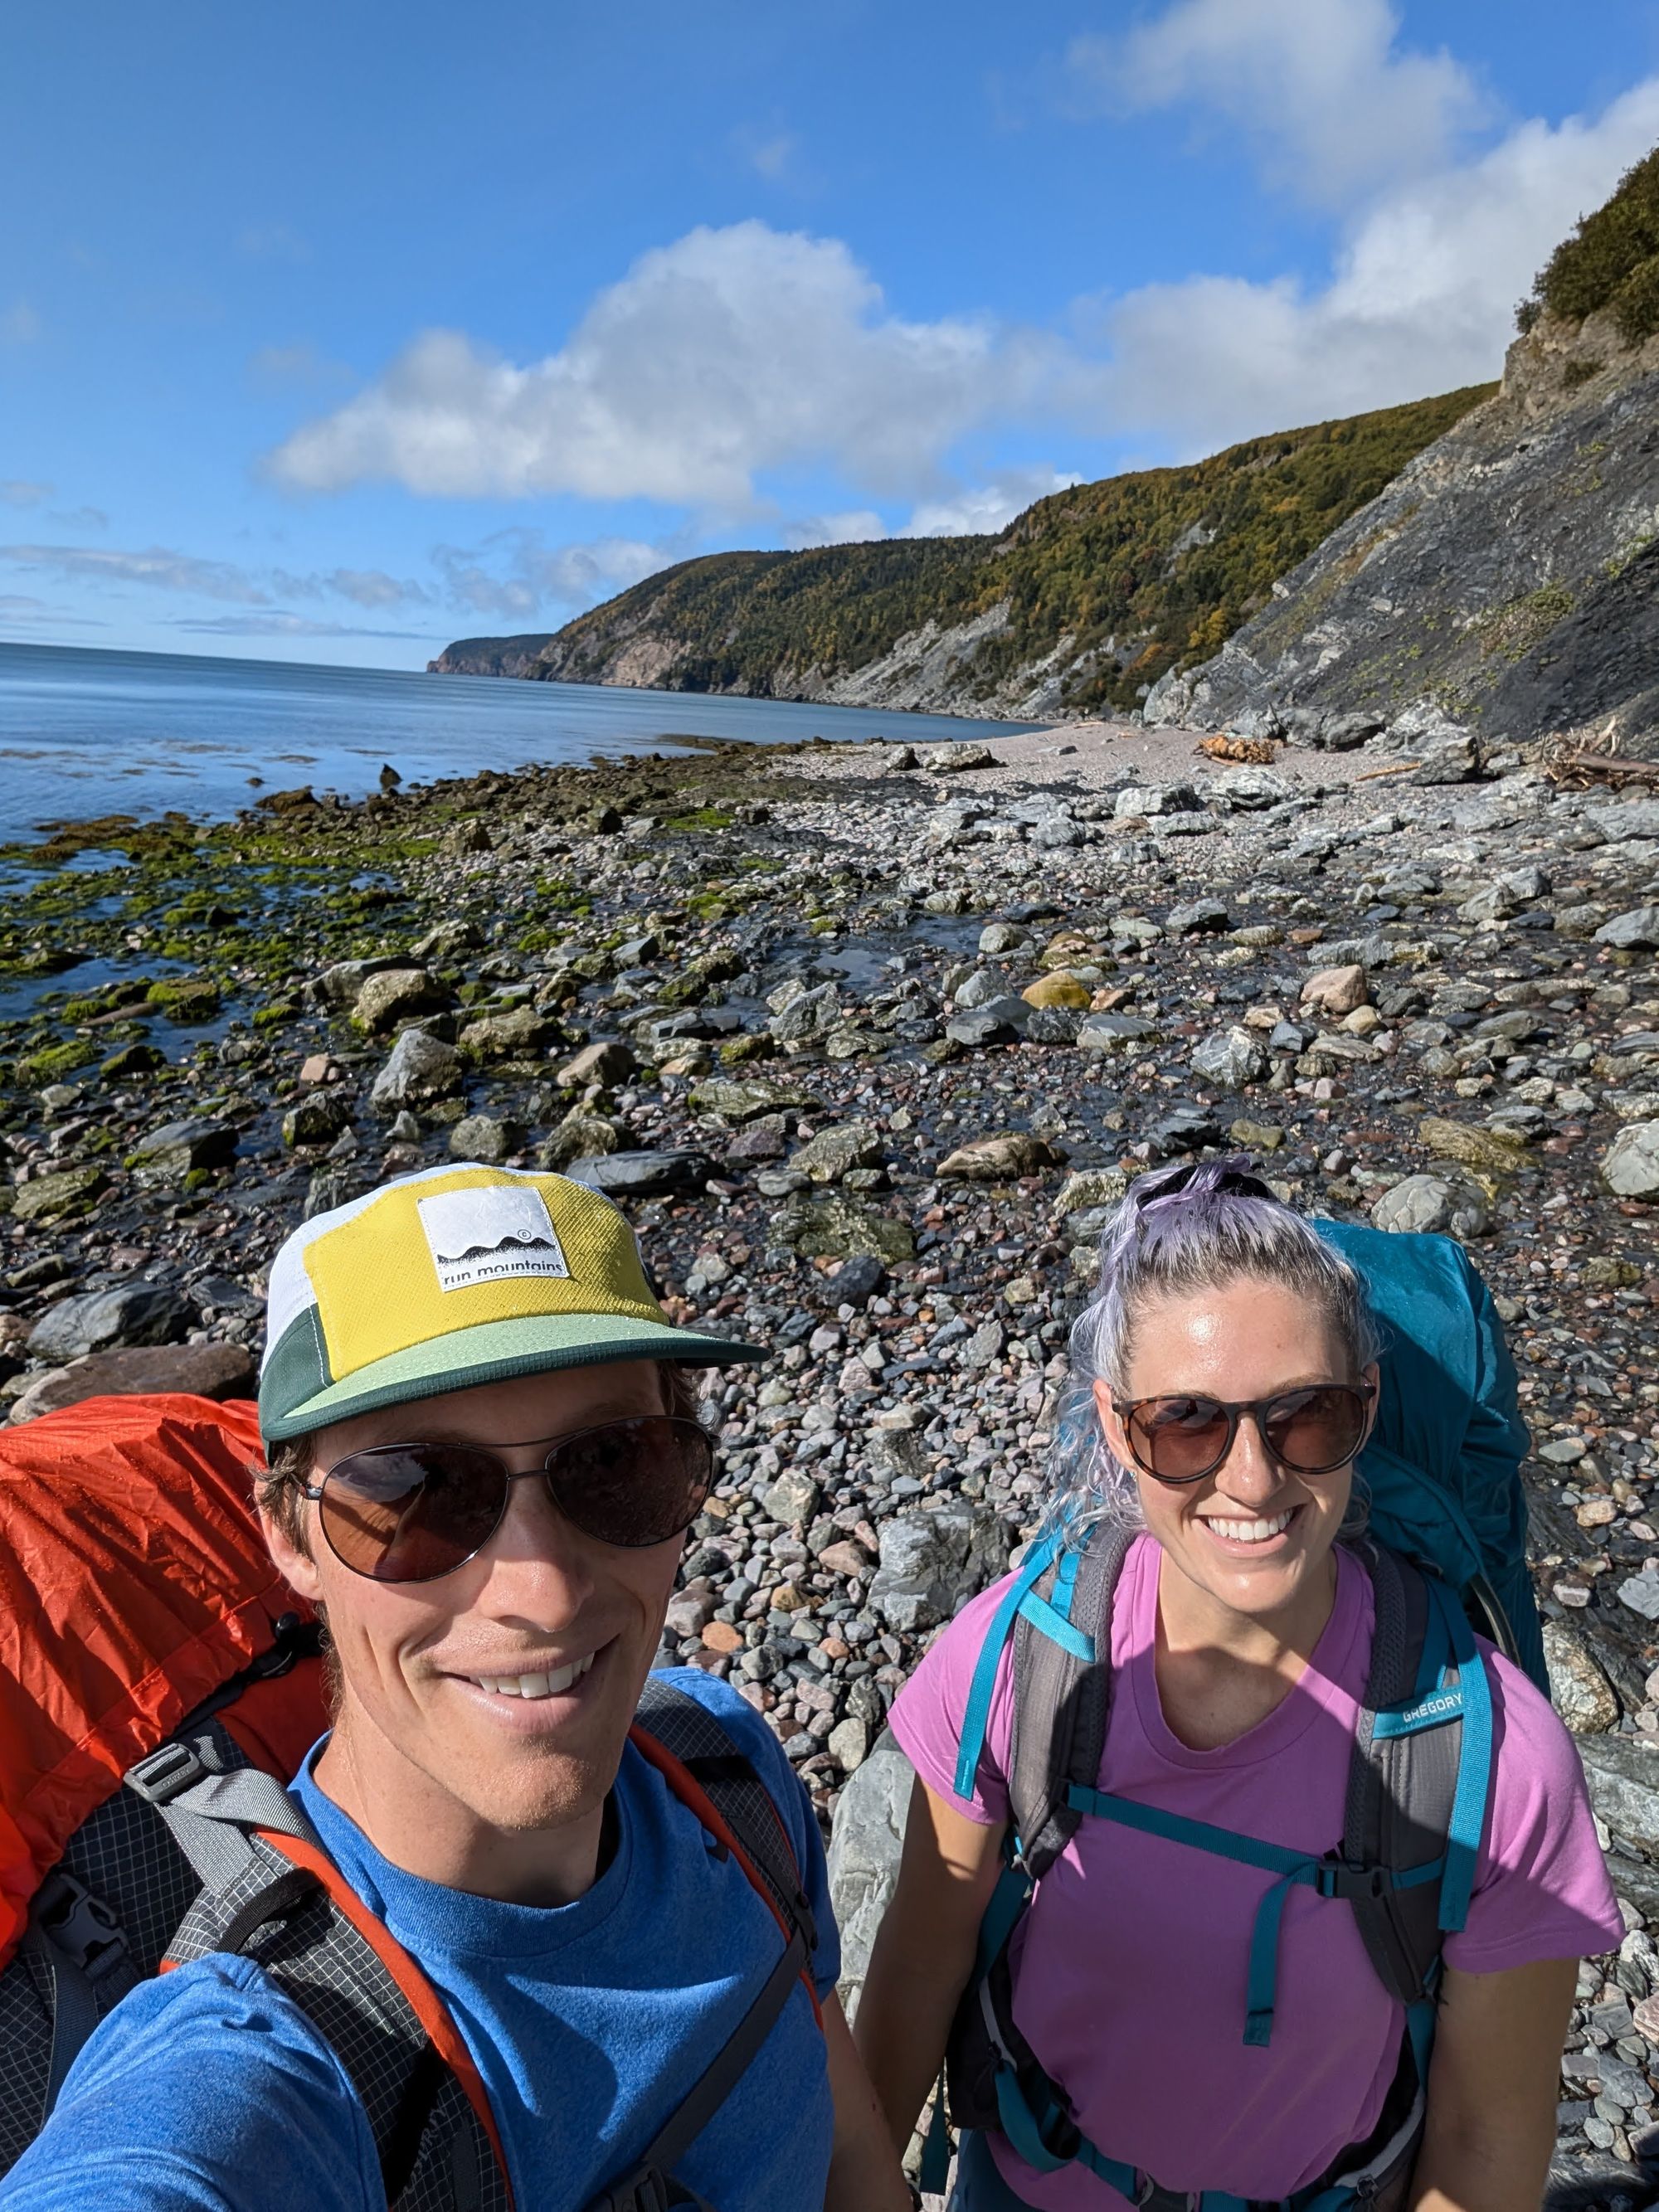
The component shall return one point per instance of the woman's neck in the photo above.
(1220, 1672)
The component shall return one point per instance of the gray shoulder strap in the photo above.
(1401, 1787)
(1061, 1703)
(724, 1771)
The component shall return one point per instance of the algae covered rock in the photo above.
(392, 994)
(56, 1196)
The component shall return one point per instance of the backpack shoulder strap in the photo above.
(273, 1894)
(1062, 1693)
(708, 1770)
(1417, 1781)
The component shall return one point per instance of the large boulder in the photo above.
(933, 1563)
(99, 1320)
(197, 1370)
(865, 1848)
(1623, 1773)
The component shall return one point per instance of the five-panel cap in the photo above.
(458, 1276)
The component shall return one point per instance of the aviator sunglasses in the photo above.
(1309, 1431)
(411, 1513)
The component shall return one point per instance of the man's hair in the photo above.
(280, 1486)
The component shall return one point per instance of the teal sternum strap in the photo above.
(1330, 1877)
(977, 1718)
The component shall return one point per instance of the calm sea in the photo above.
(85, 733)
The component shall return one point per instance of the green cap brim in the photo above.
(496, 1352)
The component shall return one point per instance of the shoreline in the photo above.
(864, 1050)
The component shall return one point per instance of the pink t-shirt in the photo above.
(1130, 1967)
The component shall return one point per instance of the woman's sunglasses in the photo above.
(410, 1513)
(1182, 1439)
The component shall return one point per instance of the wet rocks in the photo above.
(390, 995)
(838, 1227)
(484, 1137)
(59, 1194)
(606, 1063)
(318, 1119)
(420, 1068)
(642, 1174)
(833, 1152)
(1231, 1059)
(520, 1032)
(181, 1148)
(197, 1370)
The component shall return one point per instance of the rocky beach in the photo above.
(864, 1039)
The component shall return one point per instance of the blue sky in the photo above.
(332, 333)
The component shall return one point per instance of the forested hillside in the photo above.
(1078, 605)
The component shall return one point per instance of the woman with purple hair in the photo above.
(1224, 1381)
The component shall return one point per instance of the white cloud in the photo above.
(157, 566)
(986, 508)
(515, 575)
(19, 324)
(726, 354)
(15, 491)
(277, 624)
(857, 526)
(1422, 298)
(1330, 107)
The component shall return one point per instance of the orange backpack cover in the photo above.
(134, 1583)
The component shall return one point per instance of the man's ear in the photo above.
(297, 1568)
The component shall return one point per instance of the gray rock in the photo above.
(195, 1371)
(1430, 1204)
(418, 1069)
(791, 1500)
(1623, 1775)
(318, 1119)
(832, 1151)
(864, 1847)
(170, 1153)
(1641, 1592)
(643, 1175)
(1112, 1032)
(390, 994)
(979, 989)
(812, 1014)
(1002, 1021)
(1202, 918)
(848, 1743)
(339, 985)
(933, 1563)
(955, 756)
(1230, 1059)
(1448, 755)
(135, 1313)
(1153, 799)
(1579, 1691)
(1637, 931)
(482, 1137)
(1630, 1168)
(1004, 937)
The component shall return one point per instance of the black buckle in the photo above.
(79, 1924)
(160, 1776)
(1335, 1877)
(644, 2191)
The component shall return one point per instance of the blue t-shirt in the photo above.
(209, 2091)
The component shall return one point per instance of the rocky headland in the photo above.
(865, 1039)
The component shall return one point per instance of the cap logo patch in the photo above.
(486, 1234)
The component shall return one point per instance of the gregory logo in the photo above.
(485, 1236)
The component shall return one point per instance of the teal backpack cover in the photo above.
(1444, 1462)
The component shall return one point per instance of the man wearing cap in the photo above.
(482, 1465)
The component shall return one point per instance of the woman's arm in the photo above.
(864, 2174)
(1493, 2082)
(924, 1954)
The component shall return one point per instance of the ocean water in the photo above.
(85, 733)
